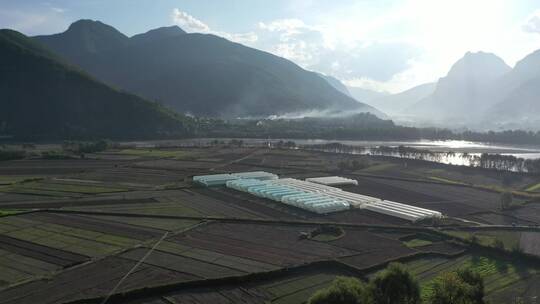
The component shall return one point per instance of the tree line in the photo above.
(485, 160)
(396, 285)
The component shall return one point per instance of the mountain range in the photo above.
(45, 98)
(201, 74)
(482, 91)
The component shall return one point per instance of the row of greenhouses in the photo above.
(222, 179)
(312, 196)
(332, 181)
(288, 192)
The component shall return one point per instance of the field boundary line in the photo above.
(433, 229)
(135, 267)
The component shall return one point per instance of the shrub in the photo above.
(395, 285)
(343, 290)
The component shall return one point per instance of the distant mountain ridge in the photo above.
(482, 91)
(198, 73)
(336, 83)
(397, 104)
(462, 93)
(43, 98)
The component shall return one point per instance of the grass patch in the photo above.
(503, 189)
(447, 181)
(417, 243)
(497, 274)
(8, 212)
(533, 188)
(378, 167)
(509, 239)
(15, 179)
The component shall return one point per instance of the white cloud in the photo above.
(533, 23)
(314, 47)
(192, 24)
(58, 10)
(398, 45)
(188, 22)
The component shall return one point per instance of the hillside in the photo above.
(43, 98)
(463, 93)
(336, 83)
(396, 104)
(366, 95)
(516, 95)
(204, 74)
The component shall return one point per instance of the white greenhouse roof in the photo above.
(332, 180)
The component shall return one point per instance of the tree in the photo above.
(458, 287)
(395, 285)
(450, 289)
(506, 200)
(474, 279)
(343, 290)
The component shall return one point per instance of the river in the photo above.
(455, 152)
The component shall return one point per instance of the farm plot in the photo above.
(229, 261)
(529, 242)
(68, 239)
(41, 167)
(90, 280)
(96, 225)
(509, 240)
(48, 188)
(163, 206)
(157, 153)
(181, 203)
(359, 216)
(257, 207)
(525, 290)
(498, 219)
(271, 244)
(134, 177)
(196, 268)
(40, 252)
(497, 274)
(156, 223)
(294, 288)
(178, 166)
(185, 202)
(449, 199)
(16, 267)
(528, 212)
(89, 203)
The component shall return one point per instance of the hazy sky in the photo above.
(380, 44)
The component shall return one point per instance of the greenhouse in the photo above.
(332, 181)
(222, 179)
(314, 194)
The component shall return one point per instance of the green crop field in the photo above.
(497, 274)
(417, 243)
(509, 239)
(533, 188)
(298, 289)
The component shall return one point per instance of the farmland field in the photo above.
(72, 229)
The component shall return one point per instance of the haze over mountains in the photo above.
(42, 97)
(200, 74)
(207, 75)
(480, 91)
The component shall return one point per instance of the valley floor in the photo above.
(75, 230)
